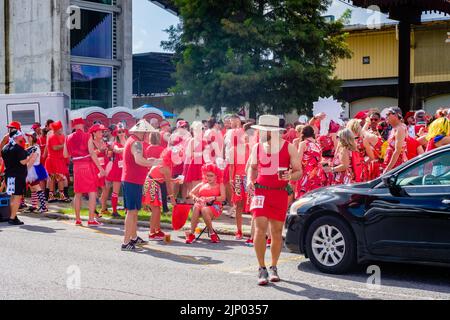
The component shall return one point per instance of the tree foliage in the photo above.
(274, 56)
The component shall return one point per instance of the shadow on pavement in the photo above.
(40, 229)
(309, 292)
(184, 259)
(407, 276)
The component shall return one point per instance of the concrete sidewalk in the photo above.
(225, 225)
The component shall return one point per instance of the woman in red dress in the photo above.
(55, 164)
(239, 154)
(208, 196)
(115, 175)
(372, 127)
(364, 154)
(341, 171)
(103, 155)
(194, 158)
(152, 196)
(396, 152)
(311, 156)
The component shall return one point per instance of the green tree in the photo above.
(274, 56)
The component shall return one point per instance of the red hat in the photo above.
(15, 125)
(36, 126)
(97, 127)
(56, 126)
(182, 124)
(180, 215)
(410, 114)
(77, 122)
(362, 115)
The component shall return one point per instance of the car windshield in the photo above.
(432, 171)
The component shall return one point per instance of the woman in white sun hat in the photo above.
(273, 163)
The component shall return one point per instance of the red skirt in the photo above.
(274, 207)
(116, 173)
(152, 193)
(57, 166)
(85, 178)
(193, 172)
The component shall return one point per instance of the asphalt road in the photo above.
(49, 259)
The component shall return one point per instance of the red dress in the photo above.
(402, 158)
(314, 176)
(115, 175)
(194, 163)
(375, 166)
(360, 162)
(152, 195)
(102, 155)
(84, 169)
(271, 196)
(56, 164)
(239, 176)
(344, 177)
(206, 191)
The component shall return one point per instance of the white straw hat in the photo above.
(143, 127)
(268, 123)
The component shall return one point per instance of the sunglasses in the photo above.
(375, 120)
(120, 132)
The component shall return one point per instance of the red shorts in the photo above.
(275, 205)
(85, 178)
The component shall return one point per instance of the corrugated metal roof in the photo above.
(166, 4)
(442, 6)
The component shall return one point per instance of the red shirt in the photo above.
(56, 140)
(411, 147)
(154, 152)
(78, 146)
(132, 172)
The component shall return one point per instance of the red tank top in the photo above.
(55, 140)
(132, 172)
(268, 165)
(207, 191)
(78, 146)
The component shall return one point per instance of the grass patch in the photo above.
(142, 216)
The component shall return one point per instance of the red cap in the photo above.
(97, 127)
(36, 126)
(15, 125)
(56, 126)
(77, 122)
(410, 114)
(362, 115)
(182, 124)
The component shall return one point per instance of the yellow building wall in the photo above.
(431, 55)
(380, 46)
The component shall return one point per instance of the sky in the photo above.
(149, 21)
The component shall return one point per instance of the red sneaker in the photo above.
(249, 243)
(78, 223)
(269, 243)
(94, 224)
(159, 236)
(190, 239)
(215, 238)
(239, 236)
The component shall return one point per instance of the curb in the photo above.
(142, 224)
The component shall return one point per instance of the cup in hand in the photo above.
(282, 172)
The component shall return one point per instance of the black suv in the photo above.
(404, 216)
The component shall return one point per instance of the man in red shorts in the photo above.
(273, 163)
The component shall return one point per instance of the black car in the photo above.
(404, 216)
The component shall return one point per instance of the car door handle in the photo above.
(446, 202)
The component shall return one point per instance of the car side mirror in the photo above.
(390, 181)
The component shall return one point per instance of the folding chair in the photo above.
(203, 232)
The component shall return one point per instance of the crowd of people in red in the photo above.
(250, 167)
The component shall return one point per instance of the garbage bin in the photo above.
(5, 209)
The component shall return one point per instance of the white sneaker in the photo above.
(233, 213)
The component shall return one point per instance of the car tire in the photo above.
(331, 246)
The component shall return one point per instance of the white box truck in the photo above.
(33, 107)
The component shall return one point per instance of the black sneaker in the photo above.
(129, 247)
(274, 277)
(115, 215)
(139, 242)
(15, 222)
(263, 277)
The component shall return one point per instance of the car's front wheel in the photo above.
(331, 245)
